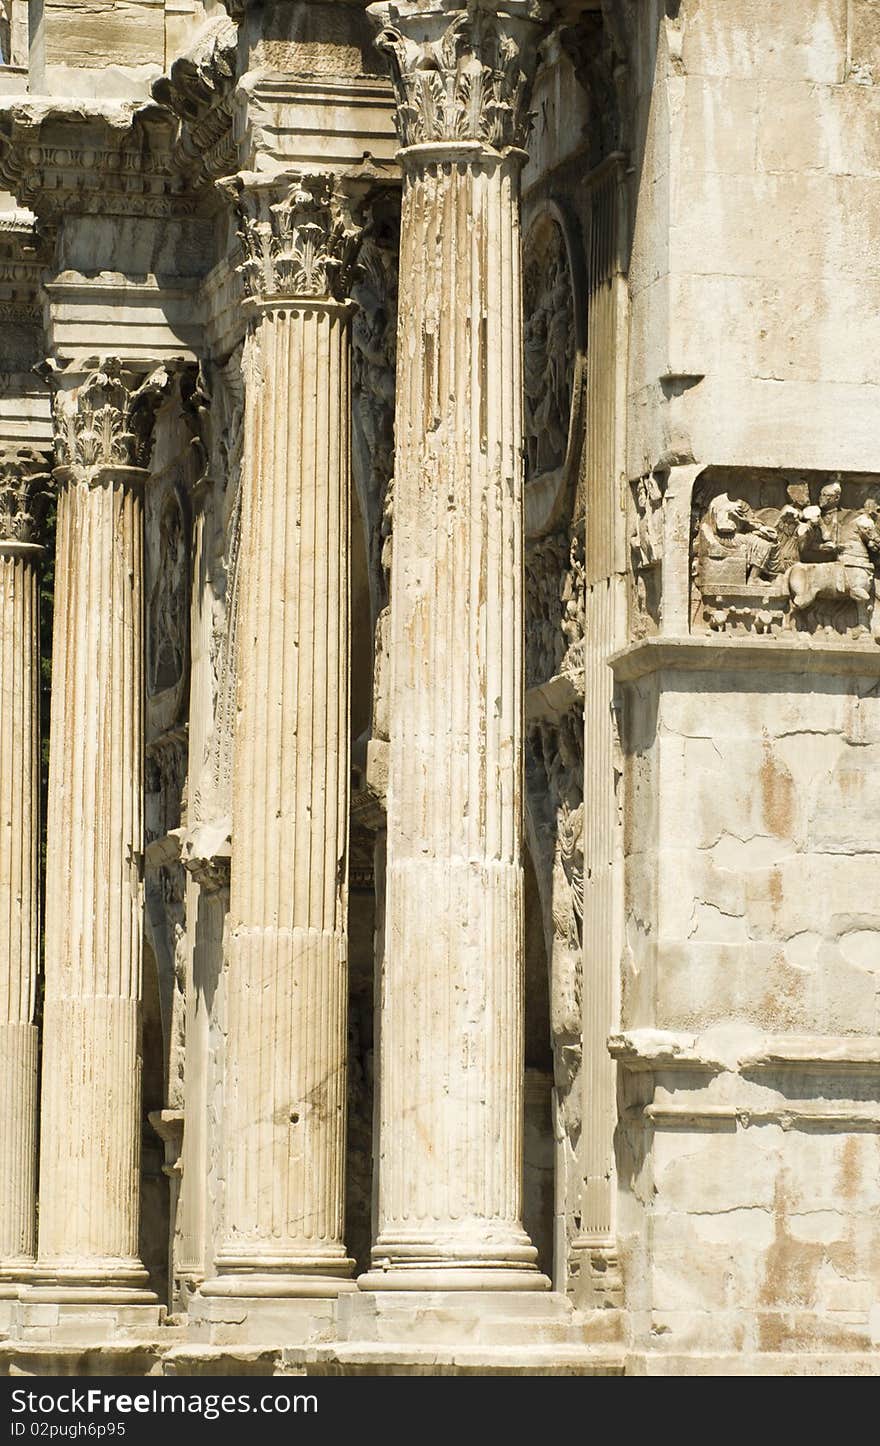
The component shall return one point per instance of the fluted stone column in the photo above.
(287, 985)
(23, 491)
(91, 1081)
(451, 1079)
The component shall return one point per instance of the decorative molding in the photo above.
(298, 238)
(200, 91)
(796, 654)
(107, 420)
(25, 493)
(472, 83)
(93, 159)
(649, 1050)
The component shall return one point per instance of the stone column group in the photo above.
(451, 996)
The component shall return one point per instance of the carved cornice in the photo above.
(200, 91)
(297, 236)
(106, 422)
(25, 493)
(462, 73)
(88, 159)
(24, 255)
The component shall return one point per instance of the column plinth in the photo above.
(286, 1059)
(452, 1071)
(24, 484)
(91, 1082)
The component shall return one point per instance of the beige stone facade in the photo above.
(439, 676)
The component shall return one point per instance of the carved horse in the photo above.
(838, 582)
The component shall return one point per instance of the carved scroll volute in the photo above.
(298, 239)
(462, 74)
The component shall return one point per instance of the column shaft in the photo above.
(19, 898)
(91, 1125)
(450, 1192)
(286, 1050)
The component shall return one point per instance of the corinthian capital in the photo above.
(105, 418)
(462, 71)
(297, 235)
(25, 492)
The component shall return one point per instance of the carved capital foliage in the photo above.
(298, 239)
(25, 493)
(107, 420)
(462, 74)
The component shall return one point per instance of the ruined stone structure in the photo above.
(440, 687)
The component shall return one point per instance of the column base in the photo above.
(14, 1273)
(111, 1282)
(281, 1277)
(490, 1258)
(464, 1276)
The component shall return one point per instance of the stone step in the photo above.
(367, 1358)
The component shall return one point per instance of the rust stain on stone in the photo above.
(777, 793)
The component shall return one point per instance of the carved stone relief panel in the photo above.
(775, 552)
(646, 548)
(555, 794)
(373, 375)
(167, 619)
(554, 606)
(550, 345)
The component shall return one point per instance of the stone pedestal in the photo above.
(23, 486)
(451, 1078)
(91, 1118)
(287, 996)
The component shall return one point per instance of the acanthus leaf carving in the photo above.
(298, 238)
(472, 84)
(107, 421)
(25, 494)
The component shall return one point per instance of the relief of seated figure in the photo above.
(735, 543)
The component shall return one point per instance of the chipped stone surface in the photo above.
(462, 940)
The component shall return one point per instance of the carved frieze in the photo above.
(776, 552)
(25, 494)
(298, 238)
(472, 82)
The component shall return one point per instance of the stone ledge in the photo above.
(370, 1359)
(790, 1363)
(772, 655)
(654, 1050)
